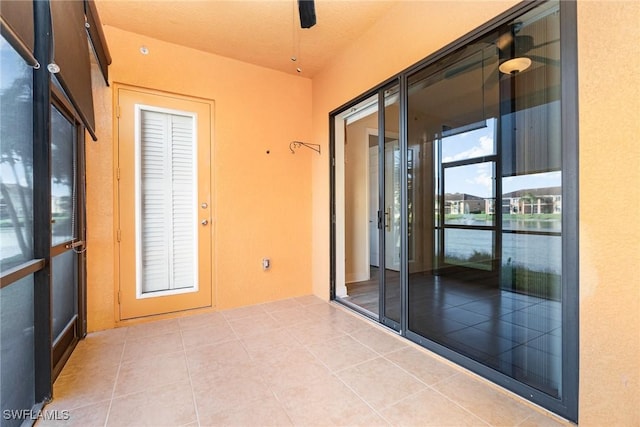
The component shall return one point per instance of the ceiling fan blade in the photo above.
(452, 72)
(545, 43)
(469, 64)
(493, 78)
(307, 10)
(542, 59)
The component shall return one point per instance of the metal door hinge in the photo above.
(118, 297)
(117, 111)
(119, 235)
(118, 174)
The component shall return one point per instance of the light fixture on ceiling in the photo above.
(515, 65)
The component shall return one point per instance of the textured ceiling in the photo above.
(261, 32)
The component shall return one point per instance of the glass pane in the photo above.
(469, 195)
(532, 202)
(17, 390)
(62, 178)
(392, 204)
(361, 205)
(65, 290)
(491, 293)
(532, 264)
(468, 142)
(471, 248)
(16, 159)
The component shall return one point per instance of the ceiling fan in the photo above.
(520, 45)
(307, 11)
(511, 46)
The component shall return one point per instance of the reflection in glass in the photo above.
(469, 195)
(468, 247)
(16, 159)
(468, 142)
(17, 390)
(62, 177)
(532, 202)
(532, 264)
(65, 290)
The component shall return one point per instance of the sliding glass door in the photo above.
(370, 202)
(461, 217)
(391, 214)
(493, 293)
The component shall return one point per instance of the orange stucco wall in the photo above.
(609, 86)
(609, 99)
(262, 202)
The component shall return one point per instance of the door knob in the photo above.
(205, 222)
(204, 206)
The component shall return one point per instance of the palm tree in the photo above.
(16, 152)
(529, 197)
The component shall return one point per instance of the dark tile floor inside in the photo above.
(514, 333)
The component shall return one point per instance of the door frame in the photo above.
(374, 132)
(119, 320)
(62, 348)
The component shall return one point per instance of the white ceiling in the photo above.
(260, 32)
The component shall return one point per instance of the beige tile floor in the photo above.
(299, 361)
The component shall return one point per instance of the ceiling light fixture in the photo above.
(515, 65)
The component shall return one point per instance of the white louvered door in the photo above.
(164, 203)
(166, 178)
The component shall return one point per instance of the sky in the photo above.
(477, 179)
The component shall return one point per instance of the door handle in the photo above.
(205, 222)
(387, 217)
(204, 205)
(74, 245)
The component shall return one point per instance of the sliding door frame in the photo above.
(567, 405)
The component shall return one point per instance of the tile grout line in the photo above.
(273, 393)
(128, 340)
(193, 393)
(429, 386)
(115, 383)
(334, 373)
(383, 356)
(375, 411)
(462, 407)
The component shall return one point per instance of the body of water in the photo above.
(533, 251)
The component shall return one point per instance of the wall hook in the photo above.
(298, 144)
